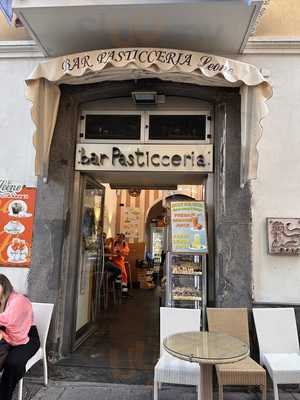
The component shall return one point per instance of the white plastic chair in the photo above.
(42, 313)
(278, 344)
(170, 369)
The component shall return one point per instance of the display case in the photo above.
(185, 270)
(186, 281)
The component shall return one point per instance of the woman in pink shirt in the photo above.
(17, 333)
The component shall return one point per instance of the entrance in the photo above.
(119, 341)
(58, 225)
(131, 162)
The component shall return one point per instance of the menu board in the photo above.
(16, 221)
(188, 227)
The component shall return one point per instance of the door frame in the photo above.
(80, 181)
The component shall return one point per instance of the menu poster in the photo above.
(131, 224)
(188, 227)
(16, 222)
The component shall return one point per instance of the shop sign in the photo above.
(9, 189)
(188, 227)
(17, 205)
(140, 157)
(144, 56)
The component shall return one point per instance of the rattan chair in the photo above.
(234, 322)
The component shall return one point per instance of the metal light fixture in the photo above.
(144, 97)
(148, 98)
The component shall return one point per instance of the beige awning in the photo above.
(134, 63)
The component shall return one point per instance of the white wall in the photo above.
(276, 192)
(16, 130)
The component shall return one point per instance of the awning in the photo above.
(69, 26)
(134, 63)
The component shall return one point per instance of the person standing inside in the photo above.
(19, 334)
(121, 251)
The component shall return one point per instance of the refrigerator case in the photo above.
(186, 281)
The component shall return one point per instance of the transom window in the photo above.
(153, 126)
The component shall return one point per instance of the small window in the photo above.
(122, 127)
(177, 127)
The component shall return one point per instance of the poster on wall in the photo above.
(131, 224)
(17, 205)
(188, 227)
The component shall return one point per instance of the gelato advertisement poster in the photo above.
(16, 221)
(188, 227)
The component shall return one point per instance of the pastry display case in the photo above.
(186, 281)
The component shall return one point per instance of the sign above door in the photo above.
(144, 157)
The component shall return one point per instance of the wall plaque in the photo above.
(283, 236)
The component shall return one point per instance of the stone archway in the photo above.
(53, 269)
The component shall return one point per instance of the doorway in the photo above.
(228, 205)
(122, 339)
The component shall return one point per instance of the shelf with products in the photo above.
(184, 293)
(187, 252)
(186, 280)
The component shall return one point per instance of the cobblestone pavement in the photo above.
(60, 390)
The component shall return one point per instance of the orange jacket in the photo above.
(123, 251)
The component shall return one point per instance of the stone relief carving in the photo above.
(283, 236)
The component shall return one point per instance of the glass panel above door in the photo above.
(112, 126)
(177, 127)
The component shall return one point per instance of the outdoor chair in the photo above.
(171, 369)
(278, 344)
(234, 322)
(42, 313)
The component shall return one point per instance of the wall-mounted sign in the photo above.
(144, 157)
(9, 189)
(17, 205)
(283, 236)
(130, 225)
(188, 227)
(119, 57)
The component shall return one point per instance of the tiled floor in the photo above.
(124, 349)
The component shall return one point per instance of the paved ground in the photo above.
(96, 391)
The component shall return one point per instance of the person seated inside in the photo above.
(121, 251)
(109, 266)
(19, 337)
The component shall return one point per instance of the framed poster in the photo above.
(16, 222)
(131, 223)
(188, 227)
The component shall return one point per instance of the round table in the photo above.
(206, 348)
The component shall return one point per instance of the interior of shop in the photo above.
(117, 321)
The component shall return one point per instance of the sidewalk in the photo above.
(61, 390)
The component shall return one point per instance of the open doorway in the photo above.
(123, 341)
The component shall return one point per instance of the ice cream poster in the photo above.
(188, 227)
(16, 222)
